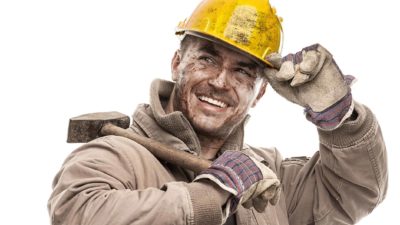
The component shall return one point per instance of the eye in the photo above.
(207, 59)
(245, 72)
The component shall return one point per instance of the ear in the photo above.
(176, 60)
(261, 92)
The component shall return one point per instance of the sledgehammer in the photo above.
(87, 127)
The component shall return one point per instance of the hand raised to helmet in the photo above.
(312, 79)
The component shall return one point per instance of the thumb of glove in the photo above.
(279, 74)
(275, 59)
(271, 195)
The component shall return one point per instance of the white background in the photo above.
(60, 59)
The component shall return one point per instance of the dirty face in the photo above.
(215, 86)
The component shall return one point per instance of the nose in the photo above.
(220, 80)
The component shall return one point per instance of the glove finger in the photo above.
(313, 62)
(310, 63)
(309, 67)
(299, 79)
(295, 58)
(259, 204)
(312, 47)
(275, 59)
(286, 72)
(274, 196)
(281, 87)
(270, 73)
(280, 78)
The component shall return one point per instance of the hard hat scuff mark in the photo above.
(240, 25)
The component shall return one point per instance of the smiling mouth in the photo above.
(212, 101)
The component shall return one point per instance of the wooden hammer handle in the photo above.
(161, 151)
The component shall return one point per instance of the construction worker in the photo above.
(229, 53)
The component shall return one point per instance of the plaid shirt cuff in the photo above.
(332, 117)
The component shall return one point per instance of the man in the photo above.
(227, 57)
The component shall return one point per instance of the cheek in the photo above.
(192, 71)
(247, 95)
(191, 77)
(185, 85)
(181, 90)
(242, 81)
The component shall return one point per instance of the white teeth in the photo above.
(213, 101)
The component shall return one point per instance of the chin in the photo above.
(211, 128)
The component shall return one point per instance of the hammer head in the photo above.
(87, 127)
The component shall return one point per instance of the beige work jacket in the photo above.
(113, 180)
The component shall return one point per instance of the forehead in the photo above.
(196, 44)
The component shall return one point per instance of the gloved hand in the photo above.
(312, 79)
(250, 182)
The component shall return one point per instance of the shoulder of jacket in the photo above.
(121, 145)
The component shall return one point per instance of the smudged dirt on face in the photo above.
(213, 90)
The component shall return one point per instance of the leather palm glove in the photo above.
(249, 181)
(311, 78)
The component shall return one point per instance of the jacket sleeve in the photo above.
(344, 181)
(113, 180)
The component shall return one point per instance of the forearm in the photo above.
(354, 164)
(115, 181)
(97, 204)
(342, 182)
(174, 203)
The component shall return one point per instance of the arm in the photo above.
(347, 178)
(116, 181)
(344, 181)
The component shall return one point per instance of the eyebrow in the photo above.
(210, 49)
(249, 65)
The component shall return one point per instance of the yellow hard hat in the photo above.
(249, 25)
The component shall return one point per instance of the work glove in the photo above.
(250, 182)
(311, 78)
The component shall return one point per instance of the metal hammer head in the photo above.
(87, 127)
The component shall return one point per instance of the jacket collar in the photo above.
(174, 129)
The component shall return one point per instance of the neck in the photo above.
(210, 146)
